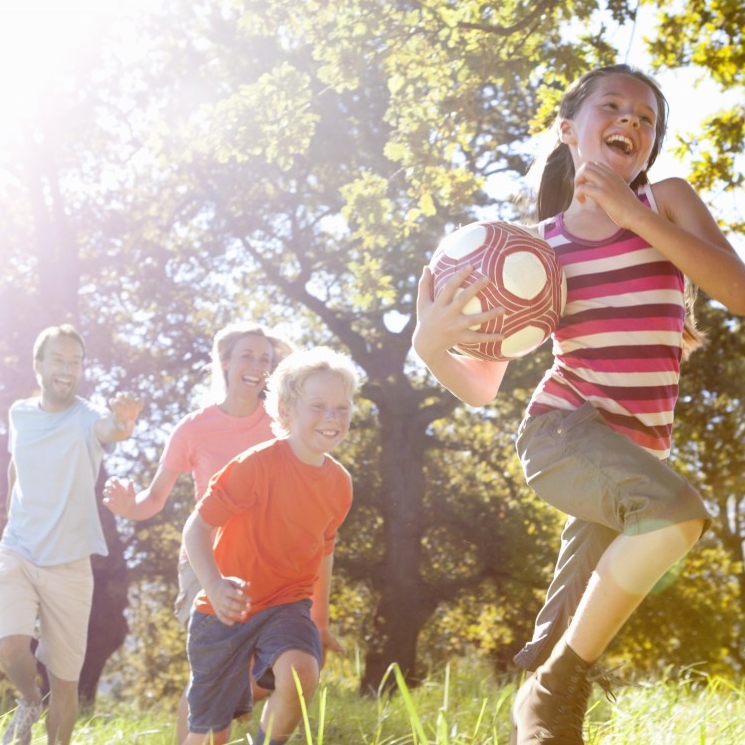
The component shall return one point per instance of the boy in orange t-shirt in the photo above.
(277, 508)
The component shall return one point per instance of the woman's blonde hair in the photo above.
(224, 344)
(286, 383)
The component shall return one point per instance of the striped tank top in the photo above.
(619, 342)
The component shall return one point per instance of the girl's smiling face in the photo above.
(615, 125)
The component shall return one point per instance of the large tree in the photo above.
(49, 222)
(298, 163)
(321, 150)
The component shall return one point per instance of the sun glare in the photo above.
(39, 38)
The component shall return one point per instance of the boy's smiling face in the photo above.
(318, 420)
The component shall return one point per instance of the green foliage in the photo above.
(709, 37)
(716, 152)
(151, 668)
(692, 619)
(246, 133)
(297, 163)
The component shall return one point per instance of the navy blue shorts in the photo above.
(219, 657)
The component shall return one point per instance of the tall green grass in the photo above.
(461, 705)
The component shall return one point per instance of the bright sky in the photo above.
(38, 37)
(30, 34)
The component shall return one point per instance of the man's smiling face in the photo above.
(58, 372)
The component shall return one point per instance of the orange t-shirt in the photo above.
(277, 519)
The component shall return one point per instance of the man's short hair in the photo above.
(55, 332)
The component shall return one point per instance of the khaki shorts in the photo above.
(52, 604)
(578, 464)
(607, 485)
(188, 588)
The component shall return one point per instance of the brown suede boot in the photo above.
(550, 707)
(513, 726)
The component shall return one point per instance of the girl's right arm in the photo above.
(441, 325)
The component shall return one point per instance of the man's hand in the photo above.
(126, 409)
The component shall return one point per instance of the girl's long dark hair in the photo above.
(556, 187)
(557, 180)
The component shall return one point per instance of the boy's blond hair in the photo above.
(285, 385)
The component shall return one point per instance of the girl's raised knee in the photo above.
(692, 530)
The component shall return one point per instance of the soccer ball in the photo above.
(526, 279)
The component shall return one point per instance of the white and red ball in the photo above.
(526, 280)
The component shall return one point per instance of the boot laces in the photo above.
(608, 680)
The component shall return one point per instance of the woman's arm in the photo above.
(119, 495)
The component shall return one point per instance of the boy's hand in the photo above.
(119, 496)
(230, 600)
(328, 642)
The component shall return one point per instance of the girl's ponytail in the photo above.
(693, 338)
(556, 186)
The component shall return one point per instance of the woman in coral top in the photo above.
(243, 356)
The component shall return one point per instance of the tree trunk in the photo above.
(107, 627)
(405, 603)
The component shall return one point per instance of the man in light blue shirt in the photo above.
(57, 441)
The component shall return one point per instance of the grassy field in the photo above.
(464, 705)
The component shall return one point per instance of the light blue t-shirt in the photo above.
(53, 517)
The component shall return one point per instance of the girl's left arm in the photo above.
(687, 234)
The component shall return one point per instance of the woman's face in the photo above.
(249, 365)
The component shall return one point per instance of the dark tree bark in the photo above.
(107, 628)
(406, 601)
